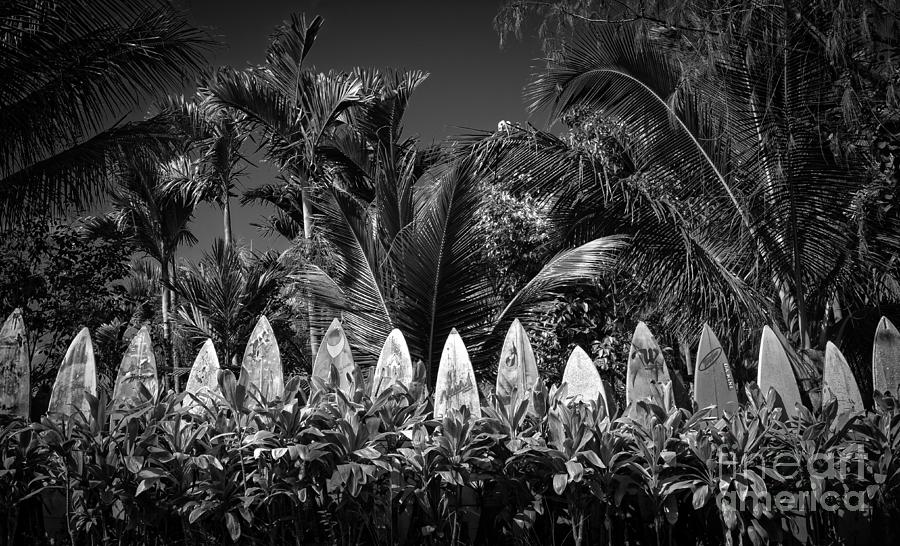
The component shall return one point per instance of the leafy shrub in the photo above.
(339, 469)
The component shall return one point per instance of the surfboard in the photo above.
(335, 351)
(455, 386)
(775, 371)
(138, 368)
(838, 382)
(77, 375)
(15, 375)
(647, 372)
(203, 379)
(713, 383)
(886, 358)
(582, 379)
(394, 364)
(517, 370)
(262, 361)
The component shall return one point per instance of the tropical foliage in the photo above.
(70, 69)
(731, 162)
(61, 281)
(745, 203)
(222, 296)
(351, 470)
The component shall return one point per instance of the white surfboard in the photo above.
(138, 368)
(203, 381)
(713, 382)
(77, 375)
(334, 351)
(648, 375)
(455, 386)
(886, 358)
(15, 373)
(517, 370)
(583, 382)
(394, 364)
(262, 361)
(775, 371)
(838, 382)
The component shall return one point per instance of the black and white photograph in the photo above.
(449, 272)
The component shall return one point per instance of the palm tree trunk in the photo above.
(307, 234)
(165, 298)
(226, 219)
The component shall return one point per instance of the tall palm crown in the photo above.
(70, 70)
(216, 135)
(295, 108)
(150, 209)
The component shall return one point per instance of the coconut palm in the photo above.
(223, 295)
(154, 216)
(69, 70)
(409, 256)
(733, 164)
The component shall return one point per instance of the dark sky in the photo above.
(472, 82)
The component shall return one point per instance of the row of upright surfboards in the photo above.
(647, 375)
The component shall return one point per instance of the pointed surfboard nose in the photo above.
(886, 357)
(774, 370)
(838, 382)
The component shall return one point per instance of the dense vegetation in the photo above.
(339, 470)
(734, 162)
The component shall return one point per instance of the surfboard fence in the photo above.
(256, 458)
(382, 470)
(648, 377)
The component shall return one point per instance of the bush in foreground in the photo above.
(340, 470)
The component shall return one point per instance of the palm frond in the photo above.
(69, 67)
(443, 278)
(357, 269)
(224, 294)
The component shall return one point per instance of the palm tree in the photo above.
(224, 294)
(733, 164)
(70, 69)
(295, 109)
(155, 217)
(218, 135)
(409, 256)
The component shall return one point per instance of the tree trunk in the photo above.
(165, 298)
(226, 219)
(307, 234)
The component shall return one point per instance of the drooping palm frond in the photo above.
(635, 83)
(69, 69)
(689, 277)
(80, 175)
(287, 202)
(153, 216)
(357, 268)
(734, 152)
(568, 268)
